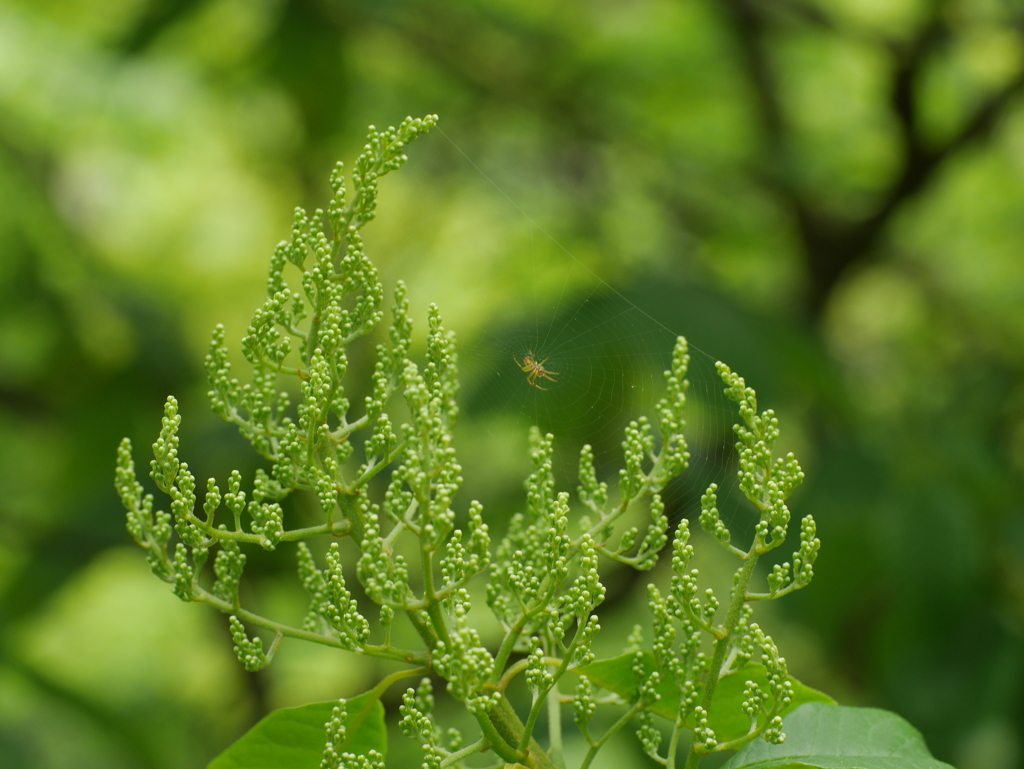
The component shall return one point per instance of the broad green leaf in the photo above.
(727, 718)
(295, 738)
(840, 738)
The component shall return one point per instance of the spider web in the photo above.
(609, 357)
(607, 347)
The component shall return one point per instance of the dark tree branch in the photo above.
(158, 17)
(749, 28)
(833, 246)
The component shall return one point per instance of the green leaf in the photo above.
(727, 717)
(841, 738)
(295, 738)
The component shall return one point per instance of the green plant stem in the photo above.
(519, 667)
(508, 644)
(755, 730)
(374, 469)
(777, 594)
(747, 738)
(353, 516)
(424, 629)
(506, 726)
(555, 748)
(400, 655)
(497, 742)
(625, 719)
(477, 747)
(531, 721)
(608, 518)
(387, 681)
(341, 528)
(724, 642)
(434, 610)
(389, 540)
(651, 483)
(673, 745)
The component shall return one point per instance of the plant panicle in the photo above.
(543, 577)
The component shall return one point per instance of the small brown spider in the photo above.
(535, 369)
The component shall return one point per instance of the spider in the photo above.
(535, 370)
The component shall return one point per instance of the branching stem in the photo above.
(724, 643)
(477, 747)
(623, 720)
(384, 652)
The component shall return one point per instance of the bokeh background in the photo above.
(827, 194)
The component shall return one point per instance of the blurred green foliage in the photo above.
(828, 194)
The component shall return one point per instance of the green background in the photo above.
(826, 194)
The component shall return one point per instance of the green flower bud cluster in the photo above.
(649, 735)
(464, 662)
(649, 466)
(150, 530)
(418, 723)
(250, 651)
(584, 707)
(333, 610)
(538, 679)
(647, 694)
(336, 734)
(681, 618)
(227, 568)
(703, 735)
(334, 757)
(416, 550)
